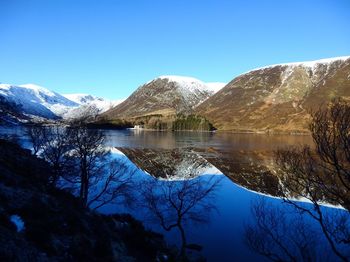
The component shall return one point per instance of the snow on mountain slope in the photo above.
(88, 105)
(36, 100)
(192, 84)
(192, 90)
(177, 93)
(215, 86)
(85, 99)
(164, 95)
(308, 64)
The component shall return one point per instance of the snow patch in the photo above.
(295, 199)
(215, 86)
(309, 64)
(179, 79)
(115, 151)
(193, 84)
(19, 223)
(89, 105)
(193, 90)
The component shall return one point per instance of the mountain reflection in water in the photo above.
(269, 221)
(216, 227)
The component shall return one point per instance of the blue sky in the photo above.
(108, 48)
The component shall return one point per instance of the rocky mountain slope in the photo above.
(165, 95)
(279, 97)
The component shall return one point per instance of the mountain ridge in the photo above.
(272, 98)
(32, 102)
(167, 95)
(277, 98)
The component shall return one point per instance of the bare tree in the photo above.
(330, 130)
(90, 154)
(51, 143)
(55, 149)
(78, 156)
(173, 203)
(321, 175)
(115, 185)
(36, 136)
(100, 179)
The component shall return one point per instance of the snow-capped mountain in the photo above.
(86, 99)
(36, 101)
(82, 99)
(88, 105)
(278, 97)
(165, 95)
(311, 65)
(191, 84)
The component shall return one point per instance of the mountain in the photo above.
(86, 99)
(165, 95)
(37, 101)
(32, 102)
(10, 113)
(278, 98)
(88, 105)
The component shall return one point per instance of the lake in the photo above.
(241, 168)
(236, 158)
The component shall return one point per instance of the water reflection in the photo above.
(225, 142)
(247, 160)
(176, 196)
(278, 231)
(177, 203)
(288, 233)
(170, 164)
(249, 169)
(283, 233)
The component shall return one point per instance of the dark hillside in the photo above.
(56, 227)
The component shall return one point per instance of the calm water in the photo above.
(222, 141)
(222, 235)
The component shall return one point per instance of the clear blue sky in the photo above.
(109, 48)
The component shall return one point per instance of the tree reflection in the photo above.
(279, 236)
(319, 177)
(173, 203)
